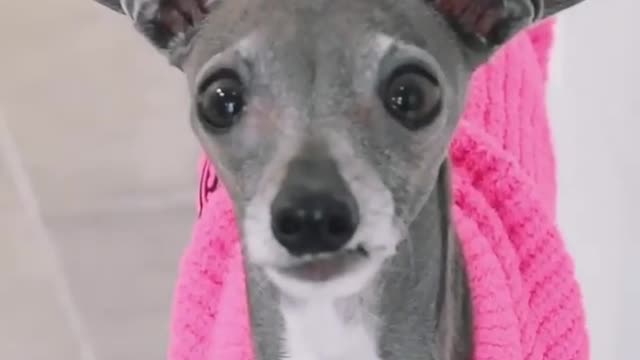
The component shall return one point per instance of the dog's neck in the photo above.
(416, 308)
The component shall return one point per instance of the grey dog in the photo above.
(329, 122)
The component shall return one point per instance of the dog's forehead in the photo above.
(337, 25)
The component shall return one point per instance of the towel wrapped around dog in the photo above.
(526, 302)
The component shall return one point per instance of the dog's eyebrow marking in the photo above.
(386, 44)
(382, 42)
(243, 48)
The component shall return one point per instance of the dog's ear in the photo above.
(485, 25)
(168, 24)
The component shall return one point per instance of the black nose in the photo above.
(314, 223)
(314, 212)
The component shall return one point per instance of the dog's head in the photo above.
(329, 120)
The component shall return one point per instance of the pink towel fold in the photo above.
(526, 301)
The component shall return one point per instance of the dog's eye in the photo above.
(412, 96)
(221, 100)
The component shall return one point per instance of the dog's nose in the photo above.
(314, 223)
(314, 212)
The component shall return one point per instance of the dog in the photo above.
(329, 123)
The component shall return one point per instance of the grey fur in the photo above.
(312, 69)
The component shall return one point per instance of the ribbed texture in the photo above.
(527, 304)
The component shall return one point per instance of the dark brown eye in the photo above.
(412, 96)
(221, 100)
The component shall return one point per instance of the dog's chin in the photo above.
(327, 276)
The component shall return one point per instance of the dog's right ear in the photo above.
(485, 25)
(168, 24)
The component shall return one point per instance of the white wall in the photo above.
(595, 106)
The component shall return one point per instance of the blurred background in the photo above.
(98, 179)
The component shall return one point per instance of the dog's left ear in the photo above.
(485, 25)
(168, 24)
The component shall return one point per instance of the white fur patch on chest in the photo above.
(317, 332)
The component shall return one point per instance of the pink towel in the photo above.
(527, 304)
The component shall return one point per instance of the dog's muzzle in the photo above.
(314, 212)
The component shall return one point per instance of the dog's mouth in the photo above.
(326, 267)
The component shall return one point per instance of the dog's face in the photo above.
(341, 110)
(329, 120)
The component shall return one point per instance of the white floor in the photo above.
(97, 179)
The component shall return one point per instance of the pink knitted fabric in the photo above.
(526, 301)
